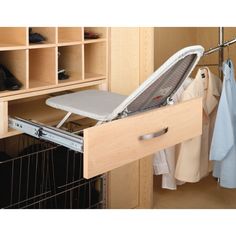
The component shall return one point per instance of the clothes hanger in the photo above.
(204, 72)
(228, 52)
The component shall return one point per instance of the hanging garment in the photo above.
(193, 155)
(164, 160)
(223, 147)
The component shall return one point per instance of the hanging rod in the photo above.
(220, 46)
(212, 64)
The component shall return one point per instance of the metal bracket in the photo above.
(170, 101)
(48, 133)
(64, 120)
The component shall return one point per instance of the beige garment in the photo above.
(193, 155)
(164, 160)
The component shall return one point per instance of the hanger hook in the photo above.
(228, 51)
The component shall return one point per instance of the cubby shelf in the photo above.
(43, 45)
(101, 31)
(36, 64)
(95, 60)
(70, 43)
(90, 76)
(13, 36)
(49, 33)
(42, 67)
(69, 34)
(87, 41)
(16, 62)
(10, 47)
(70, 59)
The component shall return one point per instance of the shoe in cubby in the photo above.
(41, 36)
(93, 33)
(13, 74)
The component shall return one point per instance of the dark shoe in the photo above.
(9, 80)
(2, 80)
(62, 75)
(91, 35)
(35, 37)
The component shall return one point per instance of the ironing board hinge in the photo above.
(170, 101)
(123, 114)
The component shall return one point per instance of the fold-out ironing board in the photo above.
(156, 91)
(105, 107)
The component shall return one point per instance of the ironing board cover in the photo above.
(152, 93)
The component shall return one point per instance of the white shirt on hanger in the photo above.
(193, 156)
(189, 161)
(164, 160)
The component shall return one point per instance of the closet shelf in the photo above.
(69, 43)
(8, 47)
(8, 93)
(87, 41)
(53, 89)
(93, 76)
(68, 81)
(39, 84)
(41, 45)
(36, 66)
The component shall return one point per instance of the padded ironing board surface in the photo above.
(95, 104)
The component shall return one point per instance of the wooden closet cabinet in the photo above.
(36, 66)
(131, 62)
(88, 62)
(120, 60)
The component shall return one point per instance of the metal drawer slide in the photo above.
(42, 131)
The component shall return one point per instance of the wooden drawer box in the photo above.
(118, 143)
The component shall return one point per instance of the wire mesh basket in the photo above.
(35, 174)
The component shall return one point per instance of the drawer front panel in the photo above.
(120, 142)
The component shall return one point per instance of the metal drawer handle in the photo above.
(153, 135)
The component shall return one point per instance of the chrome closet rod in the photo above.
(212, 64)
(219, 47)
(221, 53)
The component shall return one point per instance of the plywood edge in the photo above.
(53, 90)
(146, 183)
(3, 118)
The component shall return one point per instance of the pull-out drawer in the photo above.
(122, 141)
